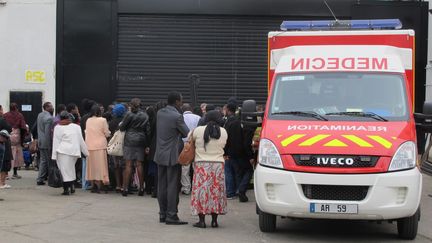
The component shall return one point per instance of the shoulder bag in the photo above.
(187, 155)
(115, 144)
(55, 178)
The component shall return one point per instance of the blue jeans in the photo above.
(85, 184)
(232, 178)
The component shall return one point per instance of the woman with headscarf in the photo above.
(208, 186)
(96, 134)
(68, 144)
(118, 112)
(135, 124)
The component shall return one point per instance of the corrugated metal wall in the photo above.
(158, 53)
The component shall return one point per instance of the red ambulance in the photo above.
(338, 138)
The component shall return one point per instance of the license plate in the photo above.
(334, 208)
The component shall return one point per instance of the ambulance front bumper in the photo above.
(389, 195)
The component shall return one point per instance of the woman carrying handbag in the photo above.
(68, 145)
(208, 186)
(135, 126)
(115, 145)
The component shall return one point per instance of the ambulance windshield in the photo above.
(340, 96)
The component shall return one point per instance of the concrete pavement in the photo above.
(33, 213)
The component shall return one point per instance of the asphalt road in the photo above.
(33, 213)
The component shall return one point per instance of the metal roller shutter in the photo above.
(158, 53)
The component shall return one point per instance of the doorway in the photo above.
(29, 104)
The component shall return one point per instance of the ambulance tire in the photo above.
(267, 222)
(407, 227)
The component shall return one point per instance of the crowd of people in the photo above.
(154, 136)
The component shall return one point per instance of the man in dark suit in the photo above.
(170, 128)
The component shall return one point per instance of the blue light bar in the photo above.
(371, 24)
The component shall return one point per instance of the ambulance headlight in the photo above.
(404, 158)
(268, 154)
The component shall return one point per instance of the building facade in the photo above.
(27, 54)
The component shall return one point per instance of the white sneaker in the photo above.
(6, 186)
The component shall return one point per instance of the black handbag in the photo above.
(55, 178)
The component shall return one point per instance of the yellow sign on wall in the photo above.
(35, 76)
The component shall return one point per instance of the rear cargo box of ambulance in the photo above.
(338, 138)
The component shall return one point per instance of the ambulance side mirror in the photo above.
(250, 118)
(424, 120)
(427, 108)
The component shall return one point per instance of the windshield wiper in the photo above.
(357, 113)
(302, 113)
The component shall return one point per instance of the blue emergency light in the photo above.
(373, 24)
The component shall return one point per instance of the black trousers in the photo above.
(168, 190)
(78, 170)
(2, 152)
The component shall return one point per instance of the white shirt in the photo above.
(191, 121)
(67, 139)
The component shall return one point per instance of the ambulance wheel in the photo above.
(407, 227)
(267, 222)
